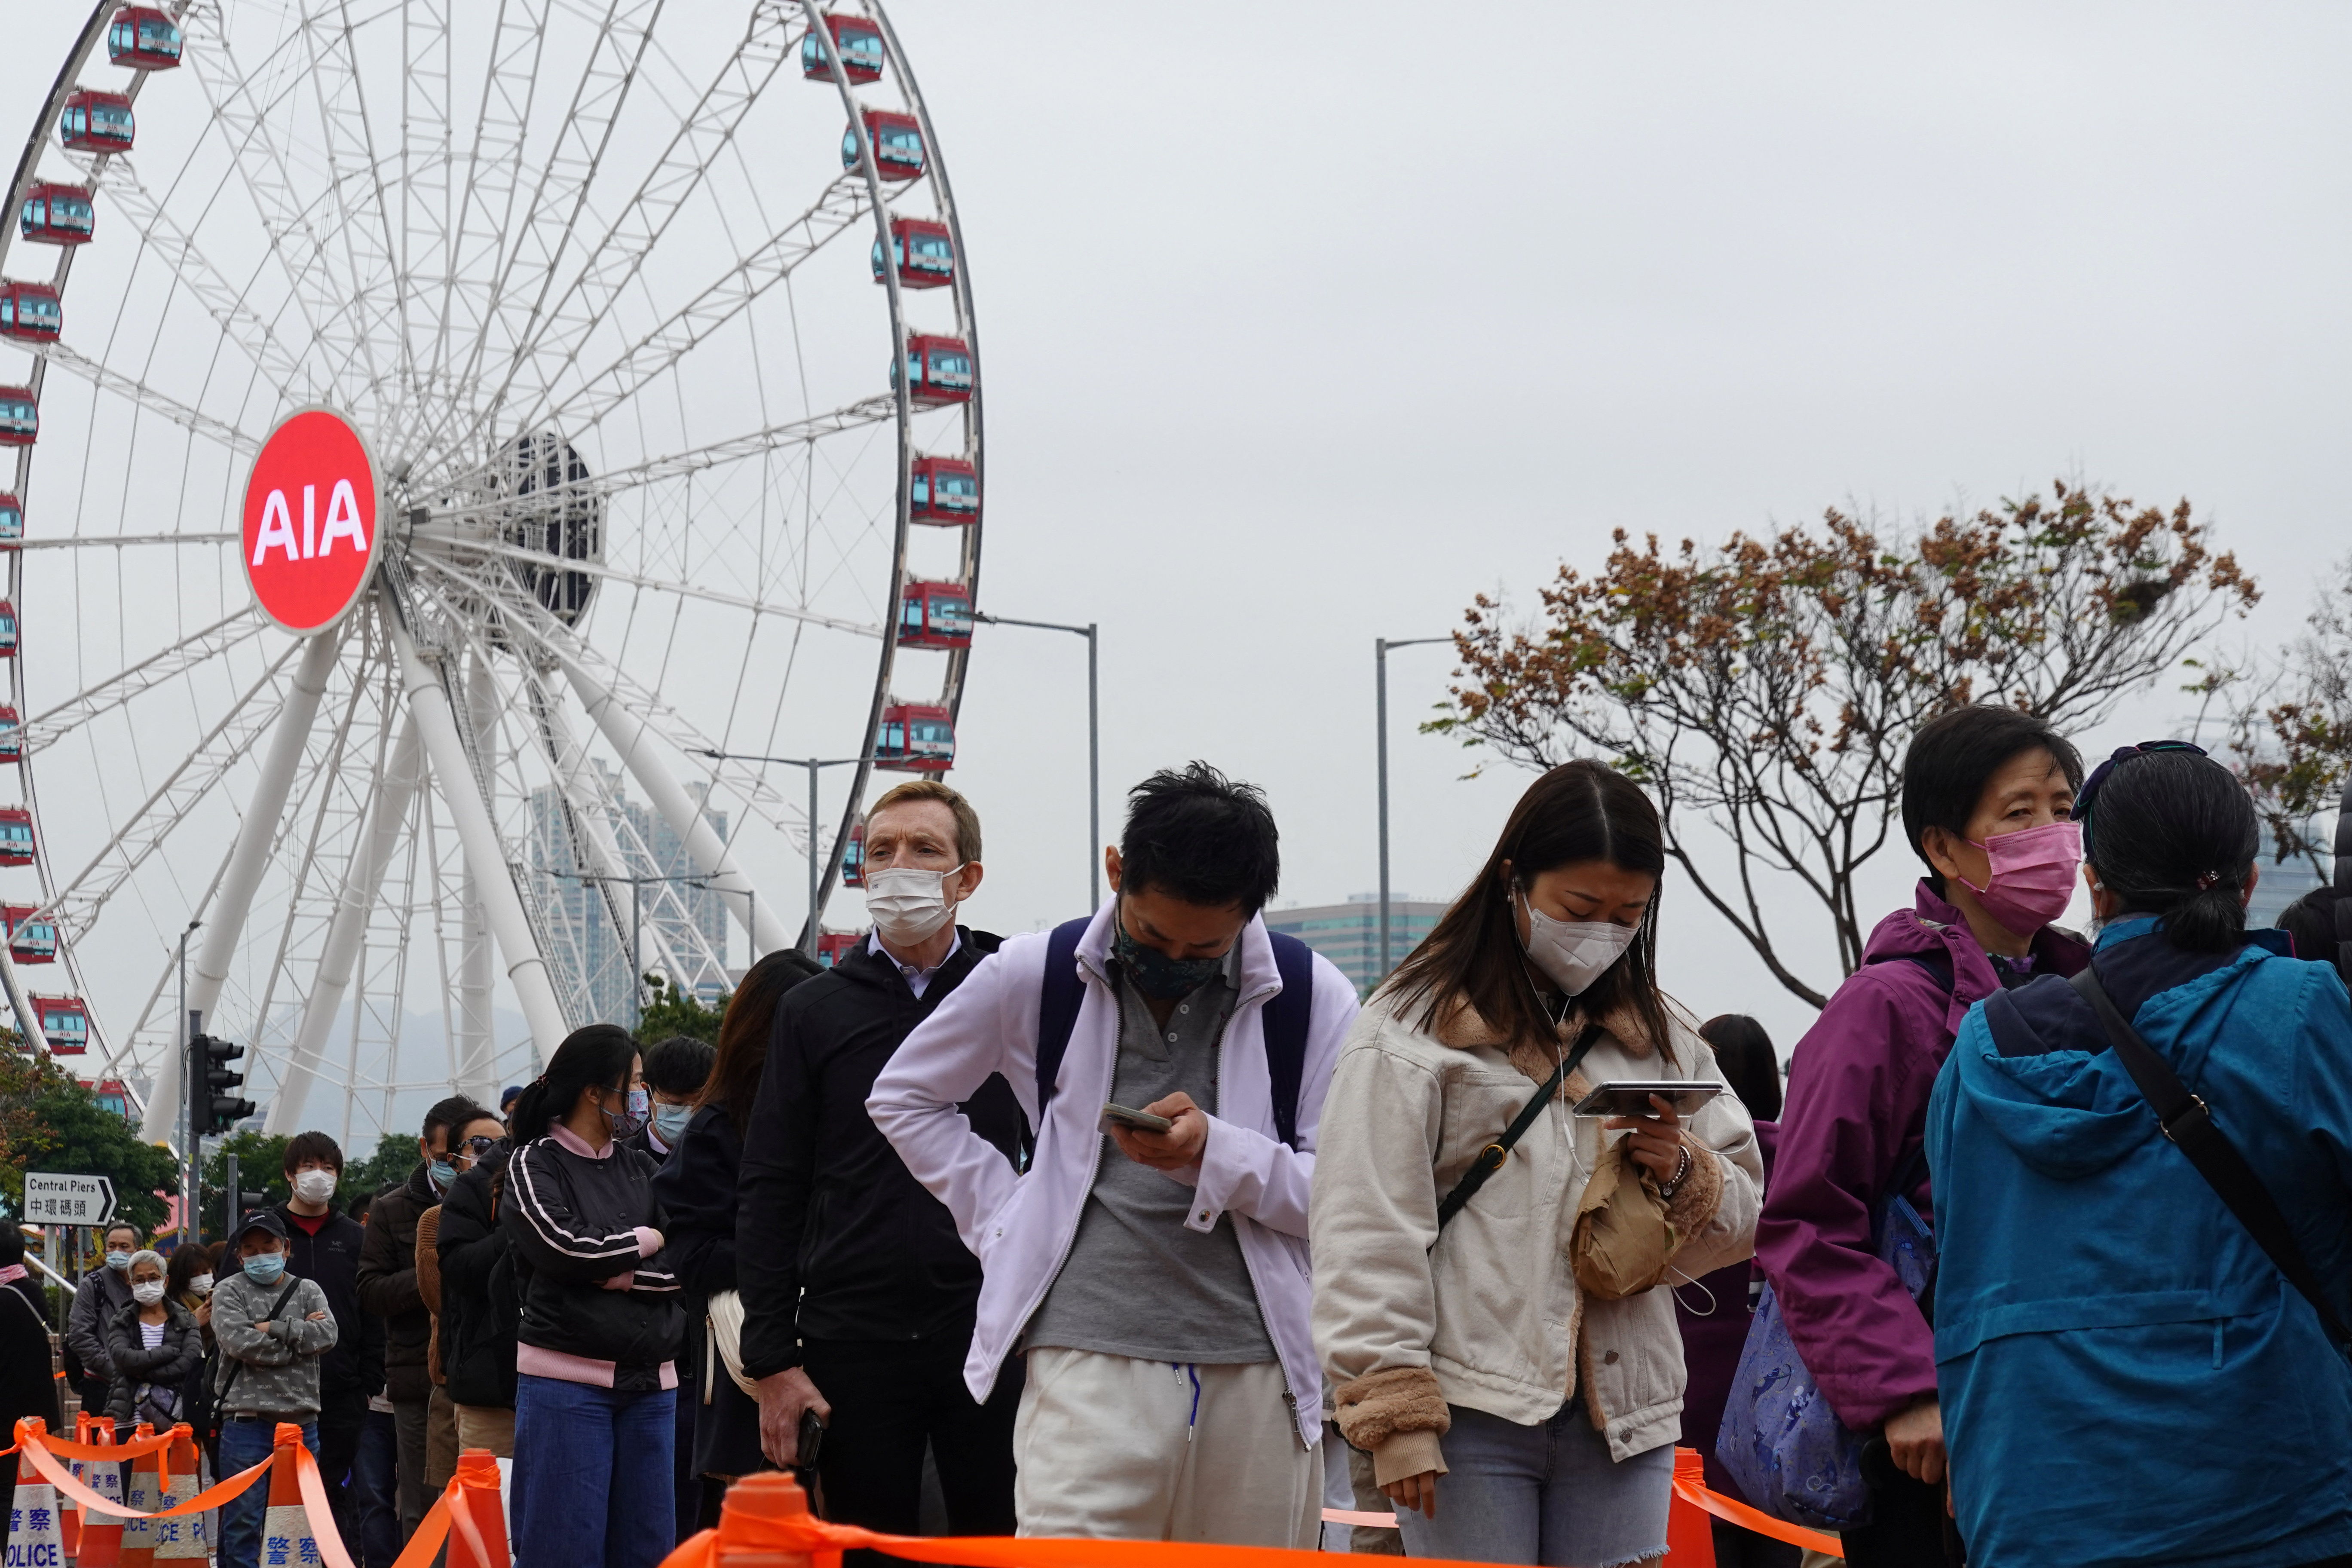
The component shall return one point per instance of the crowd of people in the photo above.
(1144, 1227)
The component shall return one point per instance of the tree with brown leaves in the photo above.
(2291, 730)
(1764, 691)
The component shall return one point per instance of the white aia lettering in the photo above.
(342, 522)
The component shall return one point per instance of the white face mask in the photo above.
(909, 904)
(314, 1186)
(147, 1293)
(1573, 954)
(202, 1284)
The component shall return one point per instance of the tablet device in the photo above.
(1631, 1097)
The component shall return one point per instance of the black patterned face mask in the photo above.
(1157, 975)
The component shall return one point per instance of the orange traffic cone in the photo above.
(1690, 1530)
(69, 1514)
(749, 1536)
(101, 1533)
(478, 1520)
(181, 1537)
(286, 1536)
(36, 1540)
(146, 1490)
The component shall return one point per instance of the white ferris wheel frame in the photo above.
(434, 567)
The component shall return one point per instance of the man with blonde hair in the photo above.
(859, 1295)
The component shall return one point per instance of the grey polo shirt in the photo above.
(1136, 1283)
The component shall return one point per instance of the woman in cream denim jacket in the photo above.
(1549, 1412)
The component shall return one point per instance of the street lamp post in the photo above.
(636, 923)
(1094, 741)
(1380, 647)
(815, 865)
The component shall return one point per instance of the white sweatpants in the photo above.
(1107, 1448)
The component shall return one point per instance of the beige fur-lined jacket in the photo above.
(1492, 1318)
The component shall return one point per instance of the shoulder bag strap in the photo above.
(1490, 1158)
(2188, 1122)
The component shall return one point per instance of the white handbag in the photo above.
(724, 1316)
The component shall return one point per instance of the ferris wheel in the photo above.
(659, 472)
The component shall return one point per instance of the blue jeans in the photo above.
(243, 1445)
(1547, 1494)
(373, 1492)
(592, 1487)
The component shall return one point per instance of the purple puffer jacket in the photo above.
(1857, 1108)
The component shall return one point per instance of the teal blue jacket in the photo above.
(2126, 1378)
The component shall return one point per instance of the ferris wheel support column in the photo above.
(626, 734)
(363, 880)
(256, 833)
(475, 974)
(453, 772)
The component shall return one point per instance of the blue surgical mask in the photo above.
(118, 1261)
(444, 1174)
(264, 1268)
(669, 1123)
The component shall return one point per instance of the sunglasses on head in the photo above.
(2088, 795)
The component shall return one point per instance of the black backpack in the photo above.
(1288, 1015)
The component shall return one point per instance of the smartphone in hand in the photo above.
(812, 1437)
(1139, 1120)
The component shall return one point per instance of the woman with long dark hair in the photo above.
(596, 1380)
(1486, 1306)
(2102, 1308)
(697, 1188)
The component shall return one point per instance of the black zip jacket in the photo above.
(353, 1367)
(697, 1189)
(388, 1284)
(827, 1217)
(572, 1222)
(166, 1367)
(479, 1305)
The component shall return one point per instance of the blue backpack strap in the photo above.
(1287, 1018)
(1057, 1008)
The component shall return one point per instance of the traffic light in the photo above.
(212, 1108)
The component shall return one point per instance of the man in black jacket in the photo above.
(388, 1289)
(858, 1293)
(322, 1245)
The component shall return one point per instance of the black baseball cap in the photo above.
(262, 1220)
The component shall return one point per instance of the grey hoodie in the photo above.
(275, 1372)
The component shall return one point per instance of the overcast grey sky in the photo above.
(1305, 322)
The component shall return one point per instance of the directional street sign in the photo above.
(67, 1200)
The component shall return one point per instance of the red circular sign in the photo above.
(310, 520)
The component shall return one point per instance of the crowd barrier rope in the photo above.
(764, 1517)
(297, 1511)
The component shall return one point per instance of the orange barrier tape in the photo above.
(129, 1450)
(314, 1503)
(1690, 1485)
(36, 1452)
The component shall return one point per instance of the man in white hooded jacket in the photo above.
(1156, 1280)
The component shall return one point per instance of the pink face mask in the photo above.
(2032, 878)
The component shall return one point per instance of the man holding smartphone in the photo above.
(857, 1295)
(1149, 1270)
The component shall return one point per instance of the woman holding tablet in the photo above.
(1486, 1262)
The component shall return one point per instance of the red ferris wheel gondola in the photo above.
(99, 122)
(935, 614)
(29, 941)
(940, 370)
(853, 856)
(833, 946)
(15, 835)
(12, 736)
(31, 310)
(144, 39)
(923, 250)
(7, 629)
(897, 142)
(57, 214)
(66, 1022)
(916, 737)
(20, 417)
(12, 522)
(860, 42)
(945, 491)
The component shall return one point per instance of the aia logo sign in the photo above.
(310, 520)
